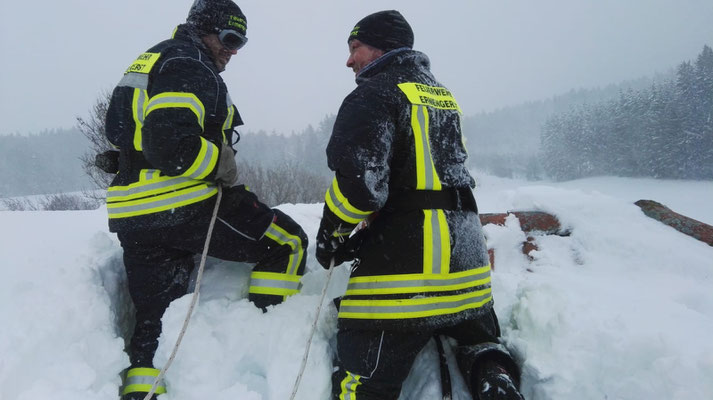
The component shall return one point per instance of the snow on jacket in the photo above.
(168, 116)
(398, 132)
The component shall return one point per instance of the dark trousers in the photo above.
(373, 364)
(159, 263)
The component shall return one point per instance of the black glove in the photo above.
(327, 246)
(108, 161)
(227, 173)
(343, 248)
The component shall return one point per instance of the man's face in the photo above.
(360, 55)
(220, 54)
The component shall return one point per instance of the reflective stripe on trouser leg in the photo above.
(141, 380)
(282, 237)
(349, 386)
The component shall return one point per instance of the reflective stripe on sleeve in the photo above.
(178, 100)
(341, 207)
(138, 109)
(205, 162)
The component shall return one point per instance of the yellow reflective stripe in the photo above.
(229, 119)
(418, 283)
(138, 109)
(414, 308)
(436, 243)
(418, 141)
(428, 241)
(143, 388)
(150, 183)
(445, 243)
(426, 175)
(349, 386)
(162, 202)
(141, 380)
(274, 283)
(143, 371)
(341, 207)
(178, 100)
(432, 96)
(282, 237)
(205, 162)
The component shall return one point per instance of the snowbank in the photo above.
(621, 308)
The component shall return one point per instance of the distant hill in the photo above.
(47, 162)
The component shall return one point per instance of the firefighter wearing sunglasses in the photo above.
(172, 121)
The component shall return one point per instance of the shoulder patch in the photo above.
(143, 63)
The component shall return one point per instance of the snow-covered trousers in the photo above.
(373, 364)
(159, 263)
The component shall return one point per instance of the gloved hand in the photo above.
(227, 174)
(327, 246)
(107, 161)
(341, 248)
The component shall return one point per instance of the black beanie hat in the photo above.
(212, 16)
(384, 30)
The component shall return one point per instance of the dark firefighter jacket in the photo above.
(399, 134)
(168, 116)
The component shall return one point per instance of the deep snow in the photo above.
(620, 309)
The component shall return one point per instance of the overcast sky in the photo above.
(58, 56)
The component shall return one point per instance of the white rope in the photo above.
(314, 328)
(194, 299)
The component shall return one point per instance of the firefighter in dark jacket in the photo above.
(422, 267)
(172, 120)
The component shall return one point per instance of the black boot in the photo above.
(489, 371)
(137, 396)
(493, 382)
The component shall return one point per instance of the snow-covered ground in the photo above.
(620, 309)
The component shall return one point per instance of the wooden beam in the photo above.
(679, 222)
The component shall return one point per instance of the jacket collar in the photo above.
(400, 56)
(186, 33)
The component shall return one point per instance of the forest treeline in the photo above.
(663, 131)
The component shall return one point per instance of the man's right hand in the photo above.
(341, 249)
(108, 161)
(327, 246)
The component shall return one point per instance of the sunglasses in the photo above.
(231, 39)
